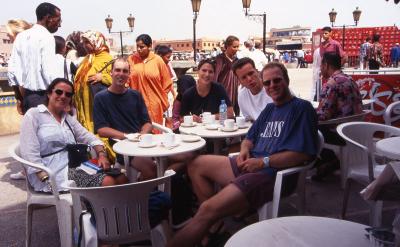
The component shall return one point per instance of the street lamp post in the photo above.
(196, 9)
(356, 18)
(131, 23)
(246, 6)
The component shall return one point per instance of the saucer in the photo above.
(150, 145)
(133, 137)
(190, 138)
(229, 129)
(171, 146)
(188, 125)
(246, 125)
(212, 126)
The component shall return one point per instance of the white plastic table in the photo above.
(215, 135)
(390, 147)
(301, 231)
(159, 152)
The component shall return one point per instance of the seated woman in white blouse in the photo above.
(47, 129)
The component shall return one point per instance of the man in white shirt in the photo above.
(62, 64)
(252, 97)
(258, 56)
(31, 64)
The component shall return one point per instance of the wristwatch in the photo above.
(266, 162)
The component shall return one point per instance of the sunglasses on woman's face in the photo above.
(60, 92)
(275, 81)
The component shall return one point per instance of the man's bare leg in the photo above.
(145, 166)
(229, 201)
(205, 171)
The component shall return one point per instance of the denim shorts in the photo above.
(258, 187)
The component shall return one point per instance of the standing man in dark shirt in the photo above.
(119, 111)
(329, 45)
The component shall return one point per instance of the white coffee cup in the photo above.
(240, 121)
(229, 123)
(209, 119)
(188, 120)
(205, 117)
(146, 139)
(169, 139)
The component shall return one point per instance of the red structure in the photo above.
(354, 37)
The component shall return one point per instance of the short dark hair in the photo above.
(368, 39)
(162, 50)
(146, 39)
(53, 84)
(332, 59)
(229, 40)
(328, 29)
(60, 44)
(376, 37)
(45, 9)
(207, 60)
(119, 59)
(278, 65)
(242, 62)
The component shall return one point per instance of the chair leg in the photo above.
(375, 215)
(345, 198)
(160, 234)
(64, 216)
(343, 166)
(29, 214)
(301, 193)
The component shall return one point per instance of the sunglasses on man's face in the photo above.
(60, 92)
(275, 81)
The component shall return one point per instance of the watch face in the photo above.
(266, 161)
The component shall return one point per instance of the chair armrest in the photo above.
(293, 170)
(233, 154)
(161, 128)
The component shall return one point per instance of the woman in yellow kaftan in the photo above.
(88, 73)
(95, 68)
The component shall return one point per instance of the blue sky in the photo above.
(172, 19)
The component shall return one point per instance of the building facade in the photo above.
(292, 38)
(186, 45)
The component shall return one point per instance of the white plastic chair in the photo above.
(162, 128)
(360, 160)
(392, 113)
(62, 202)
(341, 151)
(270, 209)
(120, 213)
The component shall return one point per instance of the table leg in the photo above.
(131, 172)
(218, 146)
(162, 163)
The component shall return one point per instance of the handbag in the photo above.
(99, 86)
(77, 152)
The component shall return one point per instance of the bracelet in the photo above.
(44, 178)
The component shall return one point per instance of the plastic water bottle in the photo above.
(223, 108)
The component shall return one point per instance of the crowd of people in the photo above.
(73, 91)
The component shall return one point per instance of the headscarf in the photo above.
(73, 41)
(184, 83)
(97, 40)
